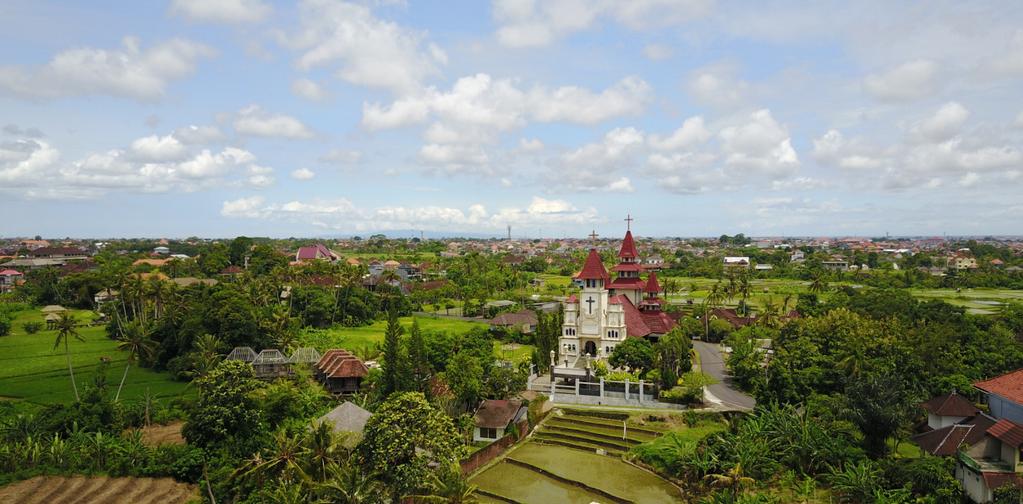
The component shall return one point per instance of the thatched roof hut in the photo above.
(348, 418)
(53, 309)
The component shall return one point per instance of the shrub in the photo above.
(32, 327)
(5, 326)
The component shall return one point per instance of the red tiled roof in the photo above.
(658, 322)
(651, 284)
(10, 272)
(1007, 432)
(1009, 386)
(635, 325)
(730, 316)
(947, 440)
(628, 267)
(995, 480)
(626, 284)
(628, 247)
(952, 404)
(593, 269)
(497, 414)
(313, 252)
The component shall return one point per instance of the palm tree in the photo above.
(134, 340)
(321, 450)
(818, 282)
(350, 484)
(713, 300)
(207, 354)
(448, 487)
(67, 329)
(285, 462)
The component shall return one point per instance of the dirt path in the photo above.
(155, 435)
(87, 490)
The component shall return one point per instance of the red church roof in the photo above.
(652, 285)
(628, 247)
(594, 268)
(639, 324)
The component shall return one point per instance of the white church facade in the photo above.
(607, 311)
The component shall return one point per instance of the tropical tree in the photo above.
(733, 479)
(818, 282)
(349, 483)
(714, 298)
(393, 364)
(405, 437)
(418, 358)
(66, 330)
(448, 486)
(134, 340)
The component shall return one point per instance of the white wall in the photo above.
(973, 485)
(937, 421)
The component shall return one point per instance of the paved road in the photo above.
(713, 364)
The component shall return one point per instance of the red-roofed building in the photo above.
(606, 312)
(948, 409)
(1004, 395)
(314, 252)
(9, 279)
(494, 416)
(341, 371)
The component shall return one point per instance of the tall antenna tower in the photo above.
(509, 232)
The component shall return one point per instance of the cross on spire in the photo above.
(628, 222)
(593, 235)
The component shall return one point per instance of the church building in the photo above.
(608, 311)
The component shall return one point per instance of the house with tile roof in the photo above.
(314, 252)
(1004, 395)
(607, 311)
(341, 371)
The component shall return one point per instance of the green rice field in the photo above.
(561, 463)
(32, 370)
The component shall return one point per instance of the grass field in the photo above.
(366, 338)
(979, 301)
(32, 370)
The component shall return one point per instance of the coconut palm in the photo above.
(321, 450)
(285, 462)
(67, 329)
(134, 340)
(348, 483)
(448, 487)
(713, 300)
(206, 355)
(818, 282)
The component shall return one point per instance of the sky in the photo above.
(556, 117)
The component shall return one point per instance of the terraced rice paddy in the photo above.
(561, 463)
(83, 490)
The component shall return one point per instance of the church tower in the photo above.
(628, 282)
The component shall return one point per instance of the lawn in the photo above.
(32, 370)
(366, 337)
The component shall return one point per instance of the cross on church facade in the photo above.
(628, 222)
(589, 301)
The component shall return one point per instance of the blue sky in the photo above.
(324, 117)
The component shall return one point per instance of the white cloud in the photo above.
(222, 11)
(718, 85)
(480, 100)
(1019, 120)
(342, 214)
(303, 174)
(969, 180)
(455, 158)
(253, 120)
(251, 207)
(198, 134)
(692, 133)
(26, 162)
(657, 52)
(341, 157)
(157, 148)
(308, 89)
(530, 144)
(130, 71)
(367, 50)
(760, 146)
(614, 150)
(913, 79)
(531, 23)
(945, 123)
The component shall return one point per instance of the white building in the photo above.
(606, 311)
